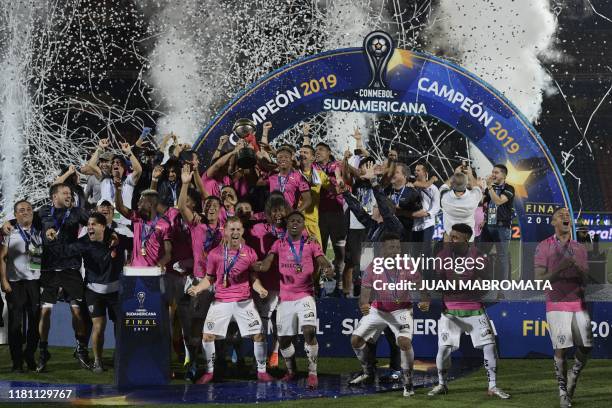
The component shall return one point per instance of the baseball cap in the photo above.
(107, 156)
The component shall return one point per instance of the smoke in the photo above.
(184, 72)
(346, 24)
(503, 43)
(15, 102)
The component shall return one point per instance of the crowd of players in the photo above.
(243, 248)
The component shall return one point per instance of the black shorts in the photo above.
(354, 244)
(70, 280)
(99, 303)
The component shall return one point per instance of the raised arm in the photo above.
(136, 167)
(359, 142)
(60, 179)
(387, 211)
(157, 172)
(91, 167)
(186, 176)
(264, 132)
(222, 141)
(306, 133)
(216, 167)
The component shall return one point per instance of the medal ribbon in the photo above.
(27, 238)
(146, 231)
(59, 226)
(296, 257)
(282, 182)
(211, 236)
(228, 267)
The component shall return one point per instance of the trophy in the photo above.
(242, 129)
(379, 48)
(140, 296)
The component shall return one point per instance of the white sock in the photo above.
(275, 348)
(289, 354)
(259, 349)
(407, 364)
(580, 360)
(208, 348)
(443, 361)
(490, 363)
(561, 373)
(312, 352)
(362, 354)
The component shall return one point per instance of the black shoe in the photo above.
(17, 368)
(362, 379)
(30, 361)
(192, 373)
(391, 378)
(80, 353)
(43, 358)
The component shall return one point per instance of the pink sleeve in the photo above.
(252, 256)
(316, 249)
(275, 247)
(166, 232)
(541, 255)
(303, 185)
(211, 265)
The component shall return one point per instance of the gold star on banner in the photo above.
(517, 178)
(400, 57)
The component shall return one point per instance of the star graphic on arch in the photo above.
(517, 178)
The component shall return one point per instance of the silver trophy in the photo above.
(140, 296)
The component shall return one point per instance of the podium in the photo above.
(142, 354)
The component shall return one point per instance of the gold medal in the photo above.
(298, 268)
(397, 301)
(225, 281)
(143, 251)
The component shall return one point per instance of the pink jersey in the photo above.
(180, 237)
(204, 239)
(241, 185)
(330, 201)
(389, 300)
(291, 186)
(296, 283)
(213, 185)
(460, 300)
(154, 233)
(239, 287)
(261, 237)
(224, 215)
(567, 294)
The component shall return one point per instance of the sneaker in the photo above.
(572, 380)
(288, 377)
(97, 367)
(408, 390)
(205, 379)
(393, 377)
(83, 357)
(362, 379)
(273, 360)
(186, 361)
(565, 402)
(17, 369)
(43, 358)
(265, 377)
(498, 392)
(312, 382)
(437, 390)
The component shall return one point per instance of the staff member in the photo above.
(19, 275)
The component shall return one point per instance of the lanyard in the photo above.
(282, 182)
(277, 233)
(296, 257)
(172, 187)
(59, 226)
(566, 249)
(227, 268)
(27, 238)
(211, 236)
(146, 231)
(397, 197)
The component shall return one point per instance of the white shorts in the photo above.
(451, 327)
(243, 313)
(568, 329)
(291, 315)
(374, 323)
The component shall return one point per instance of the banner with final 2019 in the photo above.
(380, 79)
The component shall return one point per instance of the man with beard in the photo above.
(101, 160)
(60, 228)
(128, 182)
(229, 267)
(151, 241)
